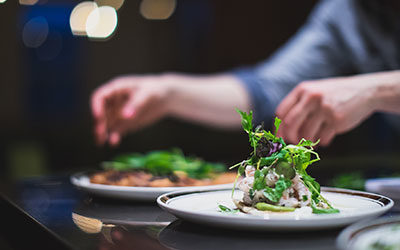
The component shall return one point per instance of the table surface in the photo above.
(51, 211)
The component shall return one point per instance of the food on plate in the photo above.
(380, 237)
(275, 177)
(161, 169)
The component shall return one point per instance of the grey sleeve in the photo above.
(316, 51)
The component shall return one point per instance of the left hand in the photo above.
(322, 109)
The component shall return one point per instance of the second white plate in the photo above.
(202, 207)
(82, 181)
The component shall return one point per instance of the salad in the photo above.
(275, 177)
(161, 168)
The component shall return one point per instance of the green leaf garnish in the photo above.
(275, 194)
(277, 123)
(317, 210)
(226, 209)
(287, 161)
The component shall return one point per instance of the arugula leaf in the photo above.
(247, 120)
(251, 193)
(277, 123)
(307, 143)
(247, 124)
(275, 157)
(226, 209)
(317, 210)
(275, 194)
(259, 181)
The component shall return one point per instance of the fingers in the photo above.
(128, 113)
(98, 101)
(286, 105)
(296, 117)
(312, 126)
(326, 134)
(106, 103)
(319, 125)
(114, 139)
(136, 103)
(100, 132)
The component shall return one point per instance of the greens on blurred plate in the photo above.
(161, 168)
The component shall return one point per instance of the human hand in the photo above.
(126, 104)
(322, 109)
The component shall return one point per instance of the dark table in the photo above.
(49, 213)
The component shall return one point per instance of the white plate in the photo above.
(82, 181)
(361, 235)
(386, 186)
(202, 207)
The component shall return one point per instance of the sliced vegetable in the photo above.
(268, 207)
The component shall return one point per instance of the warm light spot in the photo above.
(157, 9)
(79, 16)
(28, 2)
(116, 4)
(35, 32)
(101, 22)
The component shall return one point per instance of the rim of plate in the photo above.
(76, 180)
(350, 233)
(385, 203)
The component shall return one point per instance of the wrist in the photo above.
(386, 93)
(172, 83)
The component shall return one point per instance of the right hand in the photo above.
(126, 104)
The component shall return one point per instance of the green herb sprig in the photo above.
(226, 209)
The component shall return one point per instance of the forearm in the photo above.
(209, 100)
(386, 94)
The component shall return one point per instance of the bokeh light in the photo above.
(79, 16)
(101, 22)
(116, 4)
(28, 2)
(2, 1)
(157, 9)
(35, 32)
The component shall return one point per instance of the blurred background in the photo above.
(54, 53)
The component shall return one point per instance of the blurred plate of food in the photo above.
(382, 233)
(146, 176)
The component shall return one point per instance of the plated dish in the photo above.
(276, 191)
(383, 233)
(146, 176)
(204, 207)
(161, 168)
(82, 181)
(276, 177)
